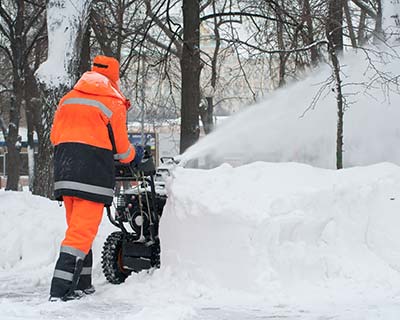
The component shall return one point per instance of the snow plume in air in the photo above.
(284, 128)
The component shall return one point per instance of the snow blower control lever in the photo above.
(137, 211)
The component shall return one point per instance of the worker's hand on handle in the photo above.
(139, 152)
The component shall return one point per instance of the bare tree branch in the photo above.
(6, 17)
(293, 50)
(363, 5)
(7, 52)
(243, 14)
(171, 34)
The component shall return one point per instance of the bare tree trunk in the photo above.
(13, 152)
(334, 25)
(281, 46)
(120, 25)
(206, 114)
(349, 23)
(32, 106)
(190, 69)
(101, 33)
(84, 61)
(334, 35)
(365, 6)
(310, 32)
(76, 14)
(378, 32)
(43, 183)
(17, 49)
(361, 28)
(339, 102)
(206, 110)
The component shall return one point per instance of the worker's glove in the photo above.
(139, 152)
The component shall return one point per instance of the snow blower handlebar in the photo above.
(138, 208)
(132, 171)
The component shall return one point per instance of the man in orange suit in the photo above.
(89, 134)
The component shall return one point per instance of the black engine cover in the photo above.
(138, 256)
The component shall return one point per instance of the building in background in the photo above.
(163, 139)
(24, 164)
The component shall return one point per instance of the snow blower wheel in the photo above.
(111, 261)
(138, 208)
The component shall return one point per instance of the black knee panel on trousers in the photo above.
(85, 279)
(66, 275)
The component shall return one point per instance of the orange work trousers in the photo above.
(83, 220)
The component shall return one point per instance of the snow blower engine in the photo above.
(138, 208)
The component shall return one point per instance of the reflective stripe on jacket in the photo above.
(84, 156)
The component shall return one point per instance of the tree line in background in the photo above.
(188, 58)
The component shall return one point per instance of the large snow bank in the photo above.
(261, 240)
(283, 128)
(287, 232)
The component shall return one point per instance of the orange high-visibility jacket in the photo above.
(89, 133)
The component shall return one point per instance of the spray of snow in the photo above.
(284, 127)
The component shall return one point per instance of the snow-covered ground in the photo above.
(266, 240)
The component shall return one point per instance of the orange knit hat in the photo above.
(106, 66)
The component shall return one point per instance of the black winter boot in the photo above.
(66, 275)
(85, 280)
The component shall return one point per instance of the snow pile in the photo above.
(283, 128)
(265, 239)
(286, 232)
(31, 230)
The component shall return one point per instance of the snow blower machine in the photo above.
(139, 202)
